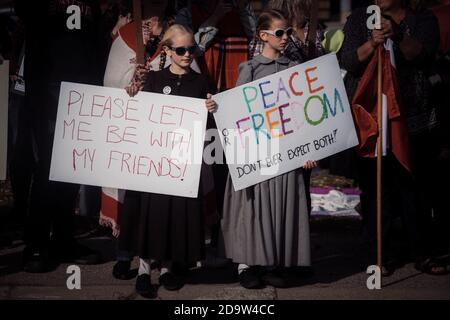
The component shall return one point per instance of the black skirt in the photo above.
(171, 228)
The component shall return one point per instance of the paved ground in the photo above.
(339, 273)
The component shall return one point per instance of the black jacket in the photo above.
(192, 84)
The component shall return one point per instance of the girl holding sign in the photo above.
(171, 227)
(120, 208)
(267, 224)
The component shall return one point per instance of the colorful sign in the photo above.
(275, 124)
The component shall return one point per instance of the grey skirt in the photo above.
(267, 224)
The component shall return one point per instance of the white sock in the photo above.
(144, 267)
(242, 267)
(163, 270)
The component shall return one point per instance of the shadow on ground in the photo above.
(335, 245)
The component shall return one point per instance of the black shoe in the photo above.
(171, 281)
(77, 253)
(101, 231)
(121, 270)
(37, 260)
(274, 278)
(388, 268)
(144, 287)
(301, 271)
(82, 225)
(249, 279)
(5, 242)
(432, 266)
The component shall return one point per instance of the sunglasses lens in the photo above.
(180, 51)
(289, 32)
(192, 49)
(279, 33)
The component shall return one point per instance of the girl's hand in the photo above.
(310, 164)
(210, 103)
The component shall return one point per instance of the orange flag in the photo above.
(365, 110)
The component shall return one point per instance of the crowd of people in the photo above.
(199, 48)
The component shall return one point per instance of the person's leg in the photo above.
(439, 175)
(38, 225)
(424, 153)
(249, 276)
(90, 201)
(62, 198)
(62, 205)
(21, 163)
(143, 281)
(121, 269)
(368, 186)
(51, 203)
(390, 206)
(127, 241)
(173, 275)
(14, 106)
(307, 181)
(38, 228)
(220, 177)
(274, 276)
(441, 208)
(144, 266)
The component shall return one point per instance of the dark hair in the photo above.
(265, 19)
(168, 11)
(296, 11)
(419, 5)
(123, 7)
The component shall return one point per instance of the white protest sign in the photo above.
(4, 86)
(275, 124)
(151, 142)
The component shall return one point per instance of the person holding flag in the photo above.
(405, 44)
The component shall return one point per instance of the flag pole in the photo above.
(379, 159)
(137, 17)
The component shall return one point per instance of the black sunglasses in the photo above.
(181, 51)
(279, 32)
